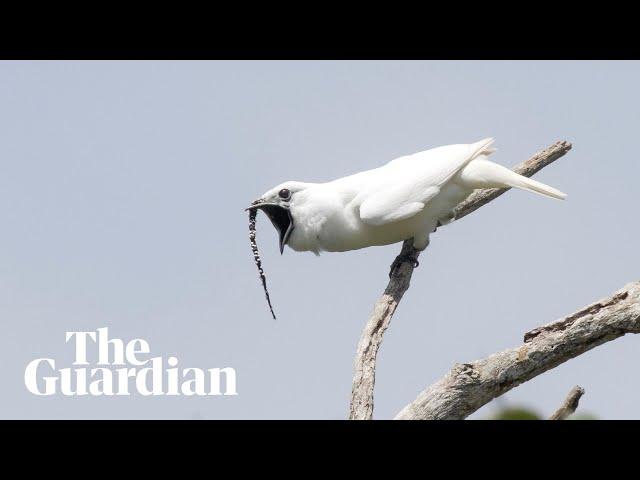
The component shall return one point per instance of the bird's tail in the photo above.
(481, 173)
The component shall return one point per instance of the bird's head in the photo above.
(277, 204)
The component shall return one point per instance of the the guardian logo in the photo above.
(122, 369)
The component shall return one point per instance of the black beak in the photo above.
(280, 217)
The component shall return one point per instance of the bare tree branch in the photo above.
(365, 363)
(569, 405)
(469, 386)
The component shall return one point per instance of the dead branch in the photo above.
(569, 405)
(469, 386)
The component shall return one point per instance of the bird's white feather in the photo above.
(482, 173)
(405, 185)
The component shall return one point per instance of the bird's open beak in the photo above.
(280, 217)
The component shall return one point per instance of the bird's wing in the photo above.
(405, 185)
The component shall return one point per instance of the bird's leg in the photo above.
(408, 254)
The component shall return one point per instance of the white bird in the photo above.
(408, 198)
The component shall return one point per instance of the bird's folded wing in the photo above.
(405, 185)
(394, 204)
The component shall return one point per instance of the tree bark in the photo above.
(469, 386)
(569, 405)
(365, 363)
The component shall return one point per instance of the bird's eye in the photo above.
(284, 194)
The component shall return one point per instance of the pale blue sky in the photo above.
(122, 188)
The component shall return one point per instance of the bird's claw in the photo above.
(401, 259)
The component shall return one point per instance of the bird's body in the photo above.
(332, 221)
(406, 198)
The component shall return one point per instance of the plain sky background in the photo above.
(122, 189)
